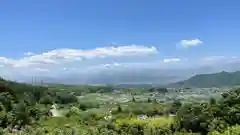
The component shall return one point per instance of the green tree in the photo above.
(66, 98)
(213, 101)
(21, 115)
(119, 108)
(149, 100)
(83, 106)
(133, 99)
(3, 116)
(176, 105)
(46, 100)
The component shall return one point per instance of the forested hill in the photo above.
(220, 79)
(15, 88)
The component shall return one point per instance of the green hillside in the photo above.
(210, 80)
(15, 88)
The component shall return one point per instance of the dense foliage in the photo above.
(26, 109)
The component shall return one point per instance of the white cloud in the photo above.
(28, 53)
(171, 60)
(189, 43)
(213, 58)
(59, 56)
(106, 65)
(42, 70)
(168, 63)
(6, 61)
(115, 64)
(34, 60)
(234, 59)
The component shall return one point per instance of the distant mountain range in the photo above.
(111, 77)
(205, 76)
(220, 79)
(135, 79)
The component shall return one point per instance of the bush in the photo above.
(235, 130)
(73, 111)
(99, 116)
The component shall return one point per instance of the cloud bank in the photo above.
(60, 56)
(123, 59)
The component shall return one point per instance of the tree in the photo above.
(149, 100)
(5, 99)
(46, 100)
(5, 89)
(119, 109)
(83, 106)
(162, 90)
(151, 90)
(133, 99)
(155, 101)
(37, 93)
(21, 114)
(3, 116)
(176, 105)
(66, 98)
(207, 117)
(73, 111)
(34, 112)
(213, 101)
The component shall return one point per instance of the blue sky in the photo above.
(207, 29)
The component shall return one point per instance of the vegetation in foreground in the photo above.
(26, 109)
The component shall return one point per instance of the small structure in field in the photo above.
(143, 117)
